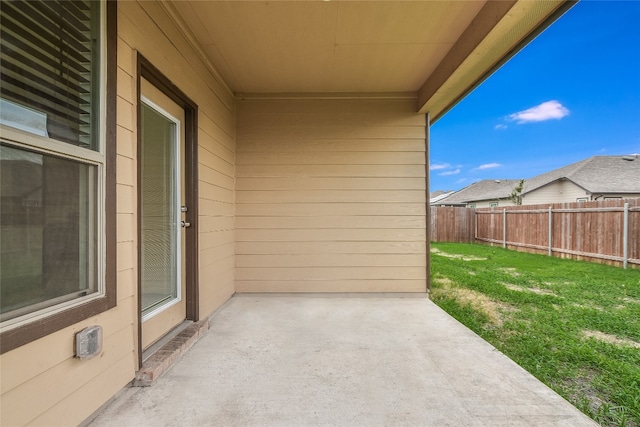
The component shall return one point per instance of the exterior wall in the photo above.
(487, 203)
(330, 196)
(51, 387)
(615, 195)
(563, 191)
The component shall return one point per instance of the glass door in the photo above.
(161, 228)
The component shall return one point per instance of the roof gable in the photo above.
(598, 174)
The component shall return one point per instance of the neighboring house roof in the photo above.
(598, 174)
(439, 196)
(488, 189)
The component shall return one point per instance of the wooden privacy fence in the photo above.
(452, 224)
(607, 231)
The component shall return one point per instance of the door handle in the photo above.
(185, 224)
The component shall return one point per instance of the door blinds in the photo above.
(50, 66)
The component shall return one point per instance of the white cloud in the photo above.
(461, 180)
(500, 127)
(447, 173)
(439, 166)
(488, 166)
(546, 111)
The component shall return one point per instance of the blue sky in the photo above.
(572, 93)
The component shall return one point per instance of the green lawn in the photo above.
(574, 325)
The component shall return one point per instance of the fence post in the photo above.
(504, 228)
(550, 231)
(625, 236)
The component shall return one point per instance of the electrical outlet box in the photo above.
(89, 342)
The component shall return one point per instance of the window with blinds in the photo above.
(52, 165)
(50, 65)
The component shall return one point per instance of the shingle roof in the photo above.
(487, 189)
(440, 196)
(598, 174)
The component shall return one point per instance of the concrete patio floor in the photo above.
(341, 360)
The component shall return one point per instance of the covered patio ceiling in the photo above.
(436, 51)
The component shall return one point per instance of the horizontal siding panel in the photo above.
(209, 272)
(332, 209)
(259, 145)
(214, 291)
(127, 255)
(292, 248)
(210, 131)
(214, 208)
(330, 196)
(125, 114)
(216, 223)
(216, 254)
(126, 57)
(333, 158)
(212, 176)
(330, 273)
(331, 260)
(125, 198)
(337, 107)
(126, 170)
(271, 118)
(313, 131)
(126, 86)
(310, 183)
(216, 193)
(127, 145)
(249, 286)
(329, 222)
(127, 285)
(329, 235)
(215, 162)
(127, 226)
(210, 239)
(346, 171)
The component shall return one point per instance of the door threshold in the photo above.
(159, 357)
(150, 351)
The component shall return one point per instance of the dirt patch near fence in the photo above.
(437, 251)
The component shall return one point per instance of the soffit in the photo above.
(311, 47)
(319, 46)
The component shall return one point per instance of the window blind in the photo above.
(50, 63)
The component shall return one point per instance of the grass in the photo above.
(574, 325)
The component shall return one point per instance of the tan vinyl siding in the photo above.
(41, 383)
(330, 196)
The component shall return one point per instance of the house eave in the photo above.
(455, 78)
